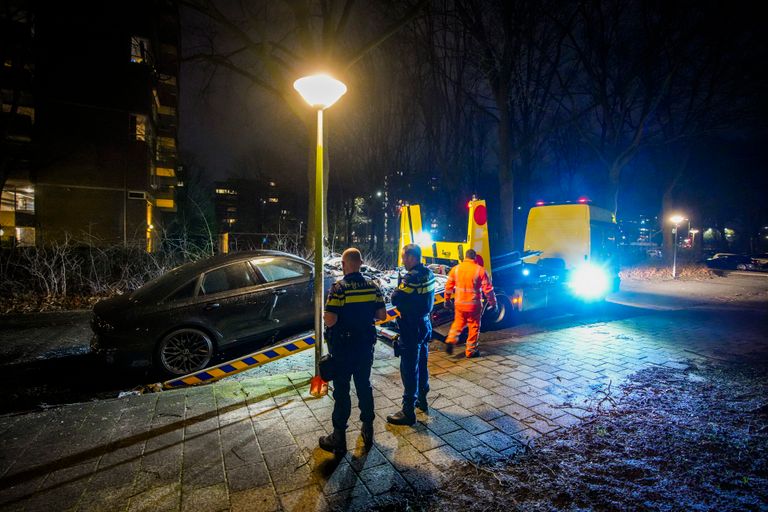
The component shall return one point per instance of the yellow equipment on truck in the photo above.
(568, 257)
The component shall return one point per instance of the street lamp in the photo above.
(676, 220)
(320, 91)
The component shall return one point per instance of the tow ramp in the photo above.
(284, 348)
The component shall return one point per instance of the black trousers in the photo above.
(355, 367)
(415, 335)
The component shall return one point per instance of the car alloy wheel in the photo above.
(185, 351)
(741, 266)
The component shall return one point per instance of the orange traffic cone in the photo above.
(318, 387)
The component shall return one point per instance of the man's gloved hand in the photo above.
(449, 303)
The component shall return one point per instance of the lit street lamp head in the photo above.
(320, 91)
(676, 219)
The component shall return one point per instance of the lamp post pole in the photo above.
(674, 254)
(676, 220)
(319, 271)
(320, 92)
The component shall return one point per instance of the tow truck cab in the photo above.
(572, 258)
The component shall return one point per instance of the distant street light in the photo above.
(320, 91)
(676, 220)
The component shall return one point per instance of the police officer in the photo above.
(414, 299)
(353, 304)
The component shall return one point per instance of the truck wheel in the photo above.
(502, 318)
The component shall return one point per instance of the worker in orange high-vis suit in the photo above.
(467, 281)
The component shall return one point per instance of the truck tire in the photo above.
(501, 319)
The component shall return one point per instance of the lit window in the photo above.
(226, 192)
(25, 237)
(139, 50)
(139, 126)
(271, 183)
(25, 200)
(274, 200)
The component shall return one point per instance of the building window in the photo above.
(25, 237)
(25, 200)
(139, 50)
(274, 200)
(226, 192)
(139, 126)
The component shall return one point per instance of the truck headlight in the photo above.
(589, 281)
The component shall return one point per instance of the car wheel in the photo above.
(741, 266)
(184, 351)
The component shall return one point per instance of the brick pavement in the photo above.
(251, 444)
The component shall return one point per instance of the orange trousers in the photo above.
(470, 319)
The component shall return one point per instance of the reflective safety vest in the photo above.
(467, 280)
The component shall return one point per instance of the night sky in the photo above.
(229, 127)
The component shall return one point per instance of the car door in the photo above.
(233, 300)
(289, 282)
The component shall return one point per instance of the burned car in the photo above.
(178, 322)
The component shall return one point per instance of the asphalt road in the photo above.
(46, 359)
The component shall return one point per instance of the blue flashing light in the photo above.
(589, 282)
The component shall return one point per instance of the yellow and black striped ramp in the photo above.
(287, 348)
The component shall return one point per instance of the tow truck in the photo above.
(568, 257)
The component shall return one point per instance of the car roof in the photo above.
(169, 281)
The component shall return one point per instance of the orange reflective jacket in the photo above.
(467, 280)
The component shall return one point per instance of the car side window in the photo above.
(185, 292)
(232, 277)
(280, 269)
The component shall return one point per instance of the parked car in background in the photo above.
(654, 253)
(179, 321)
(730, 261)
(760, 260)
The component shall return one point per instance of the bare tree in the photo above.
(270, 44)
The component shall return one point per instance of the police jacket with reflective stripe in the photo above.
(355, 300)
(416, 294)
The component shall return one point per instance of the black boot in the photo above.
(402, 418)
(422, 404)
(367, 432)
(336, 442)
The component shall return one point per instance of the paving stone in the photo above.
(307, 499)
(424, 440)
(461, 440)
(541, 424)
(358, 498)
(425, 478)
(481, 454)
(496, 400)
(497, 440)
(383, 479)
(440, 425)
(474, 425)
(159, 498)
(261, 499)
(486, 412)
(342, 479)
(366, 460)
(249, 476)
(214, 498)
